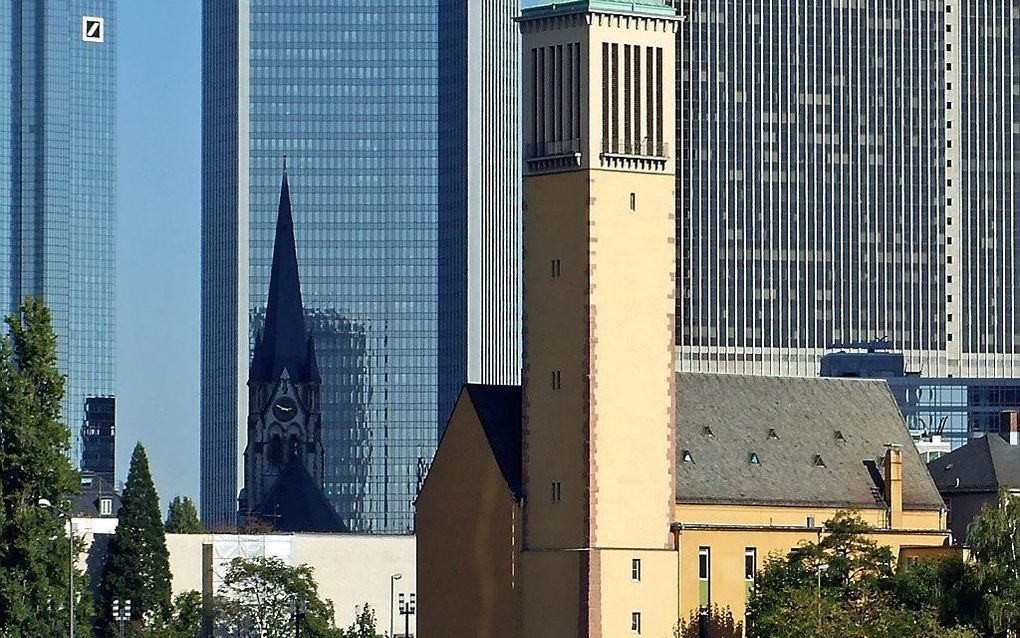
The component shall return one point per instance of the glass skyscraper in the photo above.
(479, 196)
(58, 180)
(847, 172)
(348, 93)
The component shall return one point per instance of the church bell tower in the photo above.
(284, 424)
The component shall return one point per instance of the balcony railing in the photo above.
(644, 148)
(560, 148)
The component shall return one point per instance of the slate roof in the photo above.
(985, 464)
(296, 504)
(499, 410)
(93, 488)
(283, 342)
(819, 442)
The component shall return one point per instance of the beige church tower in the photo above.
(599, 263)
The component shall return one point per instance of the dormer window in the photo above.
(707, 431)
(688, 457)
(773, 435)
(105, 506)
(839, 437)
(819, 462)
(754, 459)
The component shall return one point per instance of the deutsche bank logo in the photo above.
(92, 29)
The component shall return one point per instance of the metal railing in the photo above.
(644, 148)
(557, 148)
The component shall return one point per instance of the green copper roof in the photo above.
(639, 7)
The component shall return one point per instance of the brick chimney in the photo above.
(1009, 427)
(894, 485)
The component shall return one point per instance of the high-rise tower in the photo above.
(479, 196)
(598, 381)
(348, 93)
(58, 181)
(847, 178)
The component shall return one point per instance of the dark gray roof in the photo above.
(983, 465)
(499, 410)
(296, 504)
(819, 442)
(94, 488)
(283, 342)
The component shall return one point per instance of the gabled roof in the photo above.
(296, 504)
(283, 342)
(499, 410)
(986, 464)
(827, 449)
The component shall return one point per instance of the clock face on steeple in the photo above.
(285, 409)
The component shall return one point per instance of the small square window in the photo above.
(635, 570)
(635, 622)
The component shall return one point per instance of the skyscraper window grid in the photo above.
(349, 97)
(811, 183)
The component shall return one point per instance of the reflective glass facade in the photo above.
(479, 196)
(812, 183)
(348, 93)
(58, 181)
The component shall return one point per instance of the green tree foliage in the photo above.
(182, 517)
(34, 444)
(994, 538)
(363, 625)
(257, 598)
(859, 595)
(137, 566)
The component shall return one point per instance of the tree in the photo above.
(844, 586)
(182, 517)
(363, 625)
(258, 594)
(184, 620)
(137, 565)
(994, 537)
(34, 445)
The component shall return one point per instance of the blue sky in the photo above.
(159, 160)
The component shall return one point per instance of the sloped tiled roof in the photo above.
(499, 410)
(296, 504)
(985, 464)
(816, 442)
(94, 488)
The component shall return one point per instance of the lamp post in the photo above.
(407, 610)
(46, 504)
(393, 579)
(298, 611)
(121, 614)
(822, 567)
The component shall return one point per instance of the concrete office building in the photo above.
(479, 196)
(58, 185)
(846, 173)
(348, 94)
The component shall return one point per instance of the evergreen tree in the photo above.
(137, 565)
(34, 465)
(182, 517)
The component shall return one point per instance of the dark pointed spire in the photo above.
(283, 342)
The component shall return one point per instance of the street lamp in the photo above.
(45, 503)
(298, 611)
(407, 610)
(822, 567)
(393, 579)
(121, 615)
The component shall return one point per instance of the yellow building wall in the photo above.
(468, 535)
(555, 339)
(728, 587)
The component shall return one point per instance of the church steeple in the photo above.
(283, 343)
